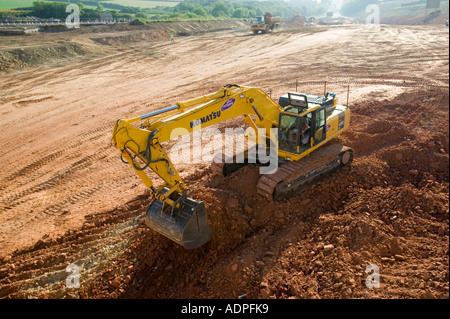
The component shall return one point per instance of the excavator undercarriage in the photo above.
(291, 178)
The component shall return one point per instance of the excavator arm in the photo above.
(173, 213)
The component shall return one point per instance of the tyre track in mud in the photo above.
(35, 77)
(66, 188)
(89, 136)
(16, 198)
(72, 197)
(42, 267)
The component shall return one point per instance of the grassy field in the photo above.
(143, 3)
(12, 4)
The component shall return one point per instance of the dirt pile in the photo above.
(155, 31)
(40, 54)
(152, 35)
(9, 61)
(193, 27)
(198, 27)
(12, 31)
(40, 271)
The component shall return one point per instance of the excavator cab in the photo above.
(302, 123)
(294, 133)
(293, 128)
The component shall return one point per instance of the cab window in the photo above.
(288, 133)
(320, 126)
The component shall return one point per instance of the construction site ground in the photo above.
(66, 198)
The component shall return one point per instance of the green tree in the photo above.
(100, 7)
(240, 13)
(200, 12)
(48, 10)
(141, 15)
(191, 15)
(184, 7)
(175, 15)
(130, 10)
(222, 9)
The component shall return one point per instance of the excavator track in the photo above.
(225, 169)
(293, 177)
(219, 166)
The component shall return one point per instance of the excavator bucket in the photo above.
(186, 225)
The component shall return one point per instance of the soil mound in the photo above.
(35, 55)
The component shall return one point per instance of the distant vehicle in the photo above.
(446, 23)
(265, 23)
(299, 20)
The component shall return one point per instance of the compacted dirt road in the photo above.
(66, 198)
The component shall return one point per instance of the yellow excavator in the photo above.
(304, 124)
